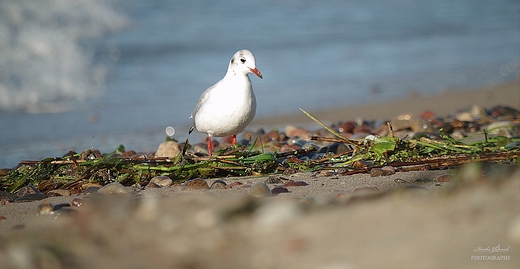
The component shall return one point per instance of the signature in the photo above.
(492, 249)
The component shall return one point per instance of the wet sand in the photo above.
(449, 101)
(409, 219)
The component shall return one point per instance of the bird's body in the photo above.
(227, 107)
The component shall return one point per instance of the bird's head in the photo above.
(244, 62)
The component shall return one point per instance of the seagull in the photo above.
(227, 107)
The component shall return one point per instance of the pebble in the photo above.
(195, 185)
(91, 190)
(218, 185)
(291, 183)
(45, 208)
(159, 182)
(464, 116)
(279, 189)
(338, 148)
(346, 197)
(77, 202)
(168, 149)
(259, 190)
(25, 190)
(114, 188)
(444, 178)
(501, 128)
(422, 125)
(402, 122)
(478, 112)
(347, 127)
(380, 172)
(272, 179)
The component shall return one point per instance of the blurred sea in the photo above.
(93, 73)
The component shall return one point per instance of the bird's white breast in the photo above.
(227, 107)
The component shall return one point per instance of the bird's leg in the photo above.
(210, 146)
(234, 141)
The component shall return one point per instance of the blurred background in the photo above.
(95, 73)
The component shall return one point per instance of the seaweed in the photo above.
(75, 171)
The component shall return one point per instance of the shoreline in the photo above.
(505, 94)
(294, 227)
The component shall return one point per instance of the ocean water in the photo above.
(91, 73)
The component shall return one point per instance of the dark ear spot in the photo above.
(232, 60)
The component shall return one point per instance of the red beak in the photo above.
(256, 72)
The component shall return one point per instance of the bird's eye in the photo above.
(243, 60)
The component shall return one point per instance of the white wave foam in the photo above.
(44, 54)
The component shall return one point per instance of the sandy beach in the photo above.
(421, 219)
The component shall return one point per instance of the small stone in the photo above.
(388, 168)
(91, 190)
(195, 185)
(278, 189)
(259, 190)
(168, 149)
(291, 183)
(338, 148)
(114, 188)
(45, 208)
(347, 127)
(77, 202)
(478, 112)
(458, 124)
(58, 192)
(444, 178)
(458, 135)
(501, 128)
(402, 122)
(303, 134)
(379, 172)
(428, 115)
(27, 190)
(159, 182)
(464, 116)
(61, 206)
(2, 217)
(399, 180)
(421, 125)
(272, 179)
(218, 185)
(325, 173)
(248, 135)
(272, 136)
(289, 129)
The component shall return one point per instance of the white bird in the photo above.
(227, 107)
